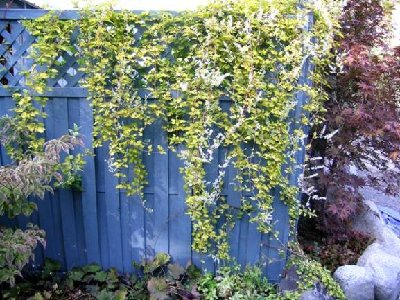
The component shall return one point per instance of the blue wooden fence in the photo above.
(102, 224)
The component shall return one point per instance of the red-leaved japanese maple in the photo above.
(362, 118)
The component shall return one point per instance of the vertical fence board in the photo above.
(73, 120)
(149, 234)
(234, 236)
(277, 247)
(45, 211)
(234, 196)
(137, 234)
(68, 228)
(103, 233)
(35, 217)
(253, 244)
(56, 240)
(112, 206)
(100, 167)
(161, 201)
(80, 230)
(126, 228)
(243, 231)
(179, 221)
(61, 112)
(89, 201)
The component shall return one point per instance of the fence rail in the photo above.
(102, 224)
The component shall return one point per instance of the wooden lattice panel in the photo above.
(15, 45)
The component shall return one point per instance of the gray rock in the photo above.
(318, 293)
(371, 223)
(314, 295)
(385, 269)
(389, 241)
(290, 279)
(356, 282)
(380, 198)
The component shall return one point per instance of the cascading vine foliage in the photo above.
(30, 102)
(250, 52)
(25, 129)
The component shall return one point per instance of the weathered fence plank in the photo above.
(61, 125)
(161, 201)
(89, 184)
(179, 223)
(112, 207)
(56, 250)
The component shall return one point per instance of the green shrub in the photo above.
(30, 175)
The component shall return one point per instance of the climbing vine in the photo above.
(30, 102)
(225, 78)
(25, 129)
(109, 57)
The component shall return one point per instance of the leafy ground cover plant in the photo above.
(161, 279)
(312, 274)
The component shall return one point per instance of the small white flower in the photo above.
(183, 86)
(111, 164)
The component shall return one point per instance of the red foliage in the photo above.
(364, 112)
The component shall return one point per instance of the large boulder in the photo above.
(385, 269)
(356, 282)
(370, 222)
(389, 241)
